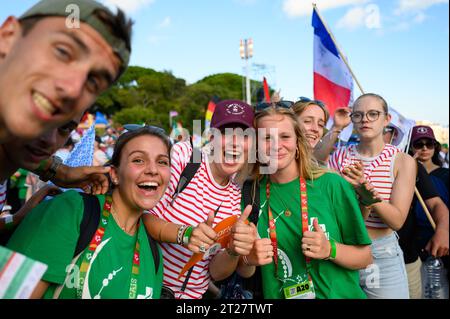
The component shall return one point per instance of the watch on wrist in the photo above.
(51, 171)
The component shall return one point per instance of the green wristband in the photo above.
(187, 235)
(332, 250)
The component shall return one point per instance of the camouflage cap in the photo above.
(87, 9)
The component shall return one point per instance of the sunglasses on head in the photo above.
(304, 99)
(134, 127)
(280, 104)
(420, 144)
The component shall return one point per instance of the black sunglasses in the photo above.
(134, 127)
(304, 99)
(420, 144)
(280, 104)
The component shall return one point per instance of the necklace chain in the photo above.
(116, 218)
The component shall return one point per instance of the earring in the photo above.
(115, 182)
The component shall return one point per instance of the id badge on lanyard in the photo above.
(304, 287)
(301, 290)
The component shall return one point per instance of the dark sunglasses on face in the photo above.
(134, 127)
(281, 104)
(304, 99)
(420, 144)
(371, 116)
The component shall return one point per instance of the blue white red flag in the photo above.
(333, 82)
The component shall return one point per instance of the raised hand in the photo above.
(315, 244)
(203, 236)
(262, 252)
(243, 234)
(92, 179)
(341, 118)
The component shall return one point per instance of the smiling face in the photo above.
(277, 137)
(28, 154)
(50, 75)
(143, 173)
(231, 150)
(312, 122)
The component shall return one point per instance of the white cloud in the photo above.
(129, 6)
(354, 18)
(165, 23)
(405, 6)
(420, 17)
(296, 8)
(368, 16)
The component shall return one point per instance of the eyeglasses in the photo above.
(420, 144)
(304, 99)
(280, 104)
(134, 127)
(371, 116)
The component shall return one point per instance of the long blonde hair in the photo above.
(308, 167)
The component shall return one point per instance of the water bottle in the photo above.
(434, 278)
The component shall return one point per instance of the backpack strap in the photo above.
(155, 252)
(250, 196)
(89, 223)
(188, 172)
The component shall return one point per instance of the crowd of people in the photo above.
(325, 222)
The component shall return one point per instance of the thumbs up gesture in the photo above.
(203, 236)
(243, 235)
(315, 244)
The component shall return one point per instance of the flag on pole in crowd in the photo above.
(83, 152)
(333, 82)
(266, 90)
(209, 114)
(403, 127)
(173, 113)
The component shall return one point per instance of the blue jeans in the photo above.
(386, 278)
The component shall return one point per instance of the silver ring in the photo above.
(202, 248)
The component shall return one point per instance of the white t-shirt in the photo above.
(191, 207)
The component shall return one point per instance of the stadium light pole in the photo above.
(246, 51)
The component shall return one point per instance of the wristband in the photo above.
(50, 172)
(180, 234)
(246, 262)
(332, 255)
(9, 221)
(231, 252)
(187, 235)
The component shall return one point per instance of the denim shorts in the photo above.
(386, 278)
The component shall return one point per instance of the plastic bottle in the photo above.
(434, 278)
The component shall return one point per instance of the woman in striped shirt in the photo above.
(392, 174)
(211, 196)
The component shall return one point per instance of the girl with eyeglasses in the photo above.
(392, 174)
(313, 239)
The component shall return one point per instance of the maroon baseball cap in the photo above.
(232, 112)
(422, 131)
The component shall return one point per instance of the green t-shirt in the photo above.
(332, 200)
(50, 233)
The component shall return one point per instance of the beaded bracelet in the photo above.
(180, 234)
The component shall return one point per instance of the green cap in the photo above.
(87, 8)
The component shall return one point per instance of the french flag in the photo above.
(333, 82)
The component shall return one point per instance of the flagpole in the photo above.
(339, 50)
(422, 203)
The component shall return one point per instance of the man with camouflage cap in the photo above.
(54, 62)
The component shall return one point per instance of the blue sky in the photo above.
(399, 48)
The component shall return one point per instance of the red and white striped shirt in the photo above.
(378, 170)
(191, 207)
(3, 189)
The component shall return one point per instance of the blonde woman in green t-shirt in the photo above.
(313, 238)
(118, 262)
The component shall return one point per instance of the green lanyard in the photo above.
(272, 225)
(95, 242)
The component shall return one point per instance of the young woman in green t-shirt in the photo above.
(118, 262)
(313, 238)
